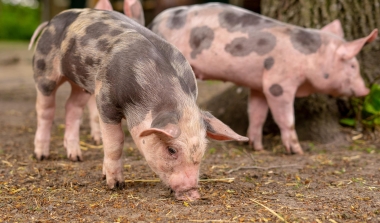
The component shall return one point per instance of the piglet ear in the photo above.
(133, 9)
(104, 5)
(350, 49)
(170, 130)
(334, 27)
(218, 130)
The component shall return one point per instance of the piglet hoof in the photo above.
(75, 158)
(116, 184)
(96, 137)
(73, 150)
(295, 150)
(40, 157)
(189, 195)
(41, 150)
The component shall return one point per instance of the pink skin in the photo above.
(298, 74)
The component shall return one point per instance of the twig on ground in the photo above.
(90, 146)
(270, 210)
(250, 156)
(225, 180)
(211, 221)
(259, 167)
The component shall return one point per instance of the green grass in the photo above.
(17, 22)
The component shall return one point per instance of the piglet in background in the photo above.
(134, 75)
(277, 61)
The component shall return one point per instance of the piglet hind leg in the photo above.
(45, 108)
(257, 113)
(113, 142)
(280, 100)
(74, 110)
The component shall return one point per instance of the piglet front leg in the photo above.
(113, 142)
(257, 113)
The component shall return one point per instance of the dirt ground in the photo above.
(330, 183)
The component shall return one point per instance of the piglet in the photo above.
(134, 75)
(277, 61)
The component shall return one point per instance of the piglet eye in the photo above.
(171, 150)
(353, 66)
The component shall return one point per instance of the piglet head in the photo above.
(174, 146)
(343, 75)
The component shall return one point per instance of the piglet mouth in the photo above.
(191, 194)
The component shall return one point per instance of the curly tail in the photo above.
(36, 32)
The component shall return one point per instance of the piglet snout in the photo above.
(362, 92)
(188, 195)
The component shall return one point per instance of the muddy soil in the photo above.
(330, 183)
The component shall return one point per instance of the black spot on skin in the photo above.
(165, 118)
(268, 63)
(61, 22)
(209, 127)
(206, 116)
(305, 41)
(188, 82)
(276, 90)
(89, 61)
(143, 141)
(46, 86)
(45, 43)
(41, 65)
(326, 76)
(110, 112)
(261, 43)
(200, 39)
(94, 31)
(116, 32)
(116, 42)
(74, 69)
(177, 19)
(247, 22)
(128, 94)
(103, 45)
(244, 19)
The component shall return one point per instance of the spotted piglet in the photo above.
(277, 61)
(134, 75)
